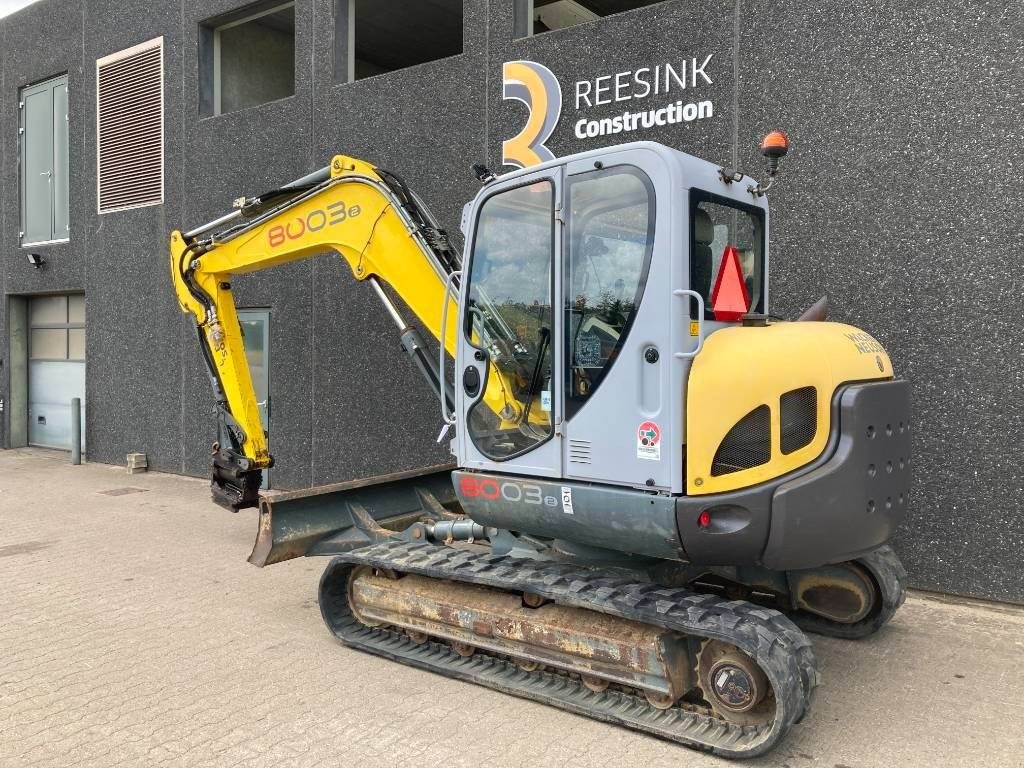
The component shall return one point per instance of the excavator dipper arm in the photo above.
(366, 215)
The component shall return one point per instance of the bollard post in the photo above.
(76, 430)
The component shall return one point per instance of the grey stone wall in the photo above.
(901, 200)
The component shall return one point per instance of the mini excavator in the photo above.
(658, 486)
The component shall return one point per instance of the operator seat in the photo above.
(701, 258)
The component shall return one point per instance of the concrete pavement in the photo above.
(133, 632)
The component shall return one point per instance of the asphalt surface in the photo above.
(133, 632)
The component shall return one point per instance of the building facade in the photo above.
(120, 121)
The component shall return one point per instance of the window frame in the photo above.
(216, 53)
(345, 45)
(698, 196)
(67, 326)
(557, 195)
(50, 84)
(523, 12)
(573, 404)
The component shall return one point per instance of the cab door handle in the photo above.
(471, 381)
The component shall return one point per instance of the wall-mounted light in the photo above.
(36, 260)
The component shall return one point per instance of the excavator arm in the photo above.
(382, 231)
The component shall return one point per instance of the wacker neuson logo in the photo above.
(537, 86)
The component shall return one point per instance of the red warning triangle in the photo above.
(729, 299)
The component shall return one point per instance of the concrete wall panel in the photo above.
(133, 368)
(899, 201)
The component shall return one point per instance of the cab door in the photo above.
(508, 364)
(622, 380)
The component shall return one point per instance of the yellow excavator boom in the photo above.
(375, 223)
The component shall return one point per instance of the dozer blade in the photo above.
(333, 519)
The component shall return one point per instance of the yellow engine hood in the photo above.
(741, 368)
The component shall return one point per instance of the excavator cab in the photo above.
(645, 399)
(589, 281)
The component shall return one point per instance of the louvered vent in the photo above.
(130, 127)
(579, 451)
(798, 412)
(748, 444)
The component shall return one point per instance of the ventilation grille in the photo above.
(798, 409)
(748, 444)
(130, 127)
(579, 451)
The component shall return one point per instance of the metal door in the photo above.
(508, 364)
(256, 339)
(56, 369)
(622, 409)
(44, 162)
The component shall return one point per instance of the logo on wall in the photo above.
(604, 104)
(537, 87)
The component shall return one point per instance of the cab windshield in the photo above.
(716, 225)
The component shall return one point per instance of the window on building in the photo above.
(536, 16)
(130, 127)
(57, 327)
(378, 36)
(247, 58)
(44, 162)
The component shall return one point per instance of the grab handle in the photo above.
(449, 418)
(685, 293)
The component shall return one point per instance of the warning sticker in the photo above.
(648, 441)
(567, 500)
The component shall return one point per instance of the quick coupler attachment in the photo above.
(234, 484)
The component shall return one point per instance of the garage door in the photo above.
(56, 368)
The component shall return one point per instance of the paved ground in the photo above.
(133, 632)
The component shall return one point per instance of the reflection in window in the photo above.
(716, 226)
(611, 235)
(510, 317)
(534, 17)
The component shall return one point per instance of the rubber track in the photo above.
(773, 641)
(890, 576)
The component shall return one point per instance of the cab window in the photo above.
(509, 316)
(717, 223)
(610, 240)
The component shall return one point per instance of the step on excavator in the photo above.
(657, 486)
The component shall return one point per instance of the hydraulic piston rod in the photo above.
(414, 346)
